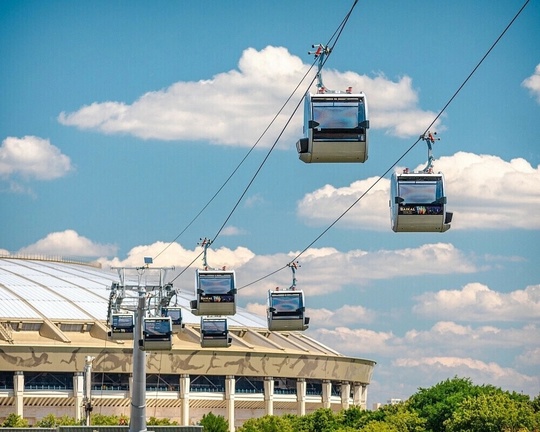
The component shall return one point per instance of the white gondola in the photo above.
(418, 203)
(335, 128)
(216, 293)
(286, 310)
(156, 334)
(175, 314)
(122, 326)
(215, 333)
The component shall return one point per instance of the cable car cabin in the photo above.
(286, 311)
(215, 333)
(216, 293)
(122, 326)
(175, 314)
(335, 128)
(156, 334)
(418, 203)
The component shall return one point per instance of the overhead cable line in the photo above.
(402, 156)
(335, 37)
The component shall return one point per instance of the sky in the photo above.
(119, 122)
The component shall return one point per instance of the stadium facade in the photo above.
(53, 326)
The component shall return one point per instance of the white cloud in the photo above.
(321, 270)
(358, 342)
(68, 244)
(530, 357)
(32, 157)
(232, 231)
(175, 255)
(533, 83)
(479, 371)
(476, 302)
(484, 192)
(235, 107)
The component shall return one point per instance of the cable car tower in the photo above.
(418, 199)
(135, 305)
(335, 122)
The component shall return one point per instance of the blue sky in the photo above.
(120, 120)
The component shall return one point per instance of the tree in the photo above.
(51, 421)
(15, 421)
(494, 412)
(152, 421)
(212, 423)
(378, 426)
(103, 420)
(267, 423)
(436, 404)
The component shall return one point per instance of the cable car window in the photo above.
(419, 192)
(216, 283)
(216, 288)
(157, 328)
(214, 327)
(287, 305)
(174, 313)
(330, 116)
(124, 322)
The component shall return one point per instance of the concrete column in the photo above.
(345, 393)
(78, 394)
(326, 393)
(364, 397)
(18, 390)
(301, 396)
(130, 382)
(357, 395)
(230, 383)
(184, 398)
(269, 395)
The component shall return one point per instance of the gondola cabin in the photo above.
(418, 203)
(286, 310)
(122, 326)
(156, 334)
(335, 128)
(175, 314)
(216, 293)
(215, 333)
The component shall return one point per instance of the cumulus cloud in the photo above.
(484, 192)
(322, 272)
(68, 244)
(479, 371)
(232, 231)
(476, 302)
(175, 255)
(533, 83)
(359, 342)
(235, 107)
(32, 157)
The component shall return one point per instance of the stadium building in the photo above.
(54, 326)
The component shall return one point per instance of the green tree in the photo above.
(212, 423)
(51, 421)
(322, 420)
(436, 404)
(153, 421)
(354, 417)
(15, 421)
(494, 412)
(378, 426)
(267, 423)
(536, 403)
(104, 420)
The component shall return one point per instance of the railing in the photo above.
(50, 258)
